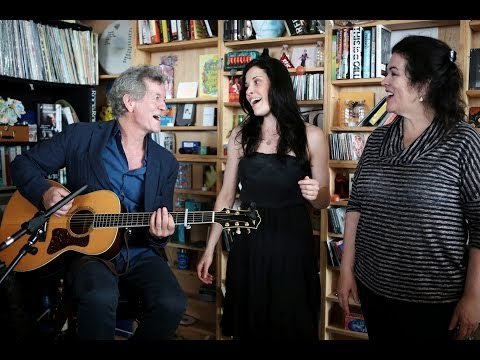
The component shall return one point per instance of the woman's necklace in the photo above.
(269, 140)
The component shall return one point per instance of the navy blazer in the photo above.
(79, 148)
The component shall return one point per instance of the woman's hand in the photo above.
(346, 286)
(309, 188)
(203, 266)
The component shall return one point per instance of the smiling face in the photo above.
(149, 109)
(403, 98)
(257, 85)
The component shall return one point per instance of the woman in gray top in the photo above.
(412, 228)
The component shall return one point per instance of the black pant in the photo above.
(95, 293)
(392, 320)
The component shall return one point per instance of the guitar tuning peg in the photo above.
(248, 231)
(238, 231)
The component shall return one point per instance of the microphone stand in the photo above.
(36, 227)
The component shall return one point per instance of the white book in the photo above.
(187, 89)
(208, 116)
(356, 46)
(382, 54)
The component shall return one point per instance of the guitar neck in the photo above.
(141, 219)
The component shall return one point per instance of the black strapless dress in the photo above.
(272, 281)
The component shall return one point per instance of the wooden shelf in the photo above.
(348, 333)
(408, 24)
(231, 104)
(195, 192)
(151, 53)
(291, 70)
(270, 42)
(188, 128)
(333, 298)
(335, 235)
(352, 128)
(196, 158)
(197, 100)
(184, 246)
(107, 76)
(299, 102)
(475, 25)
(180, 45)
(339, 203)
(343, 164)
(357, 82)
(473, 93)
(309, 102)
(7, 189)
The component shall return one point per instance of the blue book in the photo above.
(367, 44)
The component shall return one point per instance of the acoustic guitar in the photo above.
(91, 227)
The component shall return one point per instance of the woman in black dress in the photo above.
(281, 162)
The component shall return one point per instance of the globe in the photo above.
(268, 28)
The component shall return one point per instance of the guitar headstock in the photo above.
(232, 219)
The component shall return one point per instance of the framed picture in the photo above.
(185, 114)
(303, 56)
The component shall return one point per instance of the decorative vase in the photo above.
(268, 28)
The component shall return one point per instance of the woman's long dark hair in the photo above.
(284, 107)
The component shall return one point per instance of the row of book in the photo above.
(335, 251)
(59, 176)
(474, 69)
(336, 218)
(234, 30)
(308, 86)
(347, 145)
(36, 51)
(164, 31)
(7, 155)
(360, 52)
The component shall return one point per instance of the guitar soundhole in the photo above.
(81, 222)
(79, 225)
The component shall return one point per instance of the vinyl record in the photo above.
(115, 47)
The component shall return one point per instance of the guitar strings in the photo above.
(179, 217)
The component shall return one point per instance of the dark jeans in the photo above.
(95, 291)
(394, 320)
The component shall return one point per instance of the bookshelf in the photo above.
(460, 34)
(230, 111)
(45, 62)
(332, 318)
(186, 69)
(470, 39)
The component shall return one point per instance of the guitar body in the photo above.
(73, 232)
(91, 227)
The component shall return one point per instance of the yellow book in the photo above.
(379, 114)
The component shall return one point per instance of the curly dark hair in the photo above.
(431, 63)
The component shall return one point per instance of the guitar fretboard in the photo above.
(143, 219)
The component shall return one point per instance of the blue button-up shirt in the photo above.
(129, 185)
